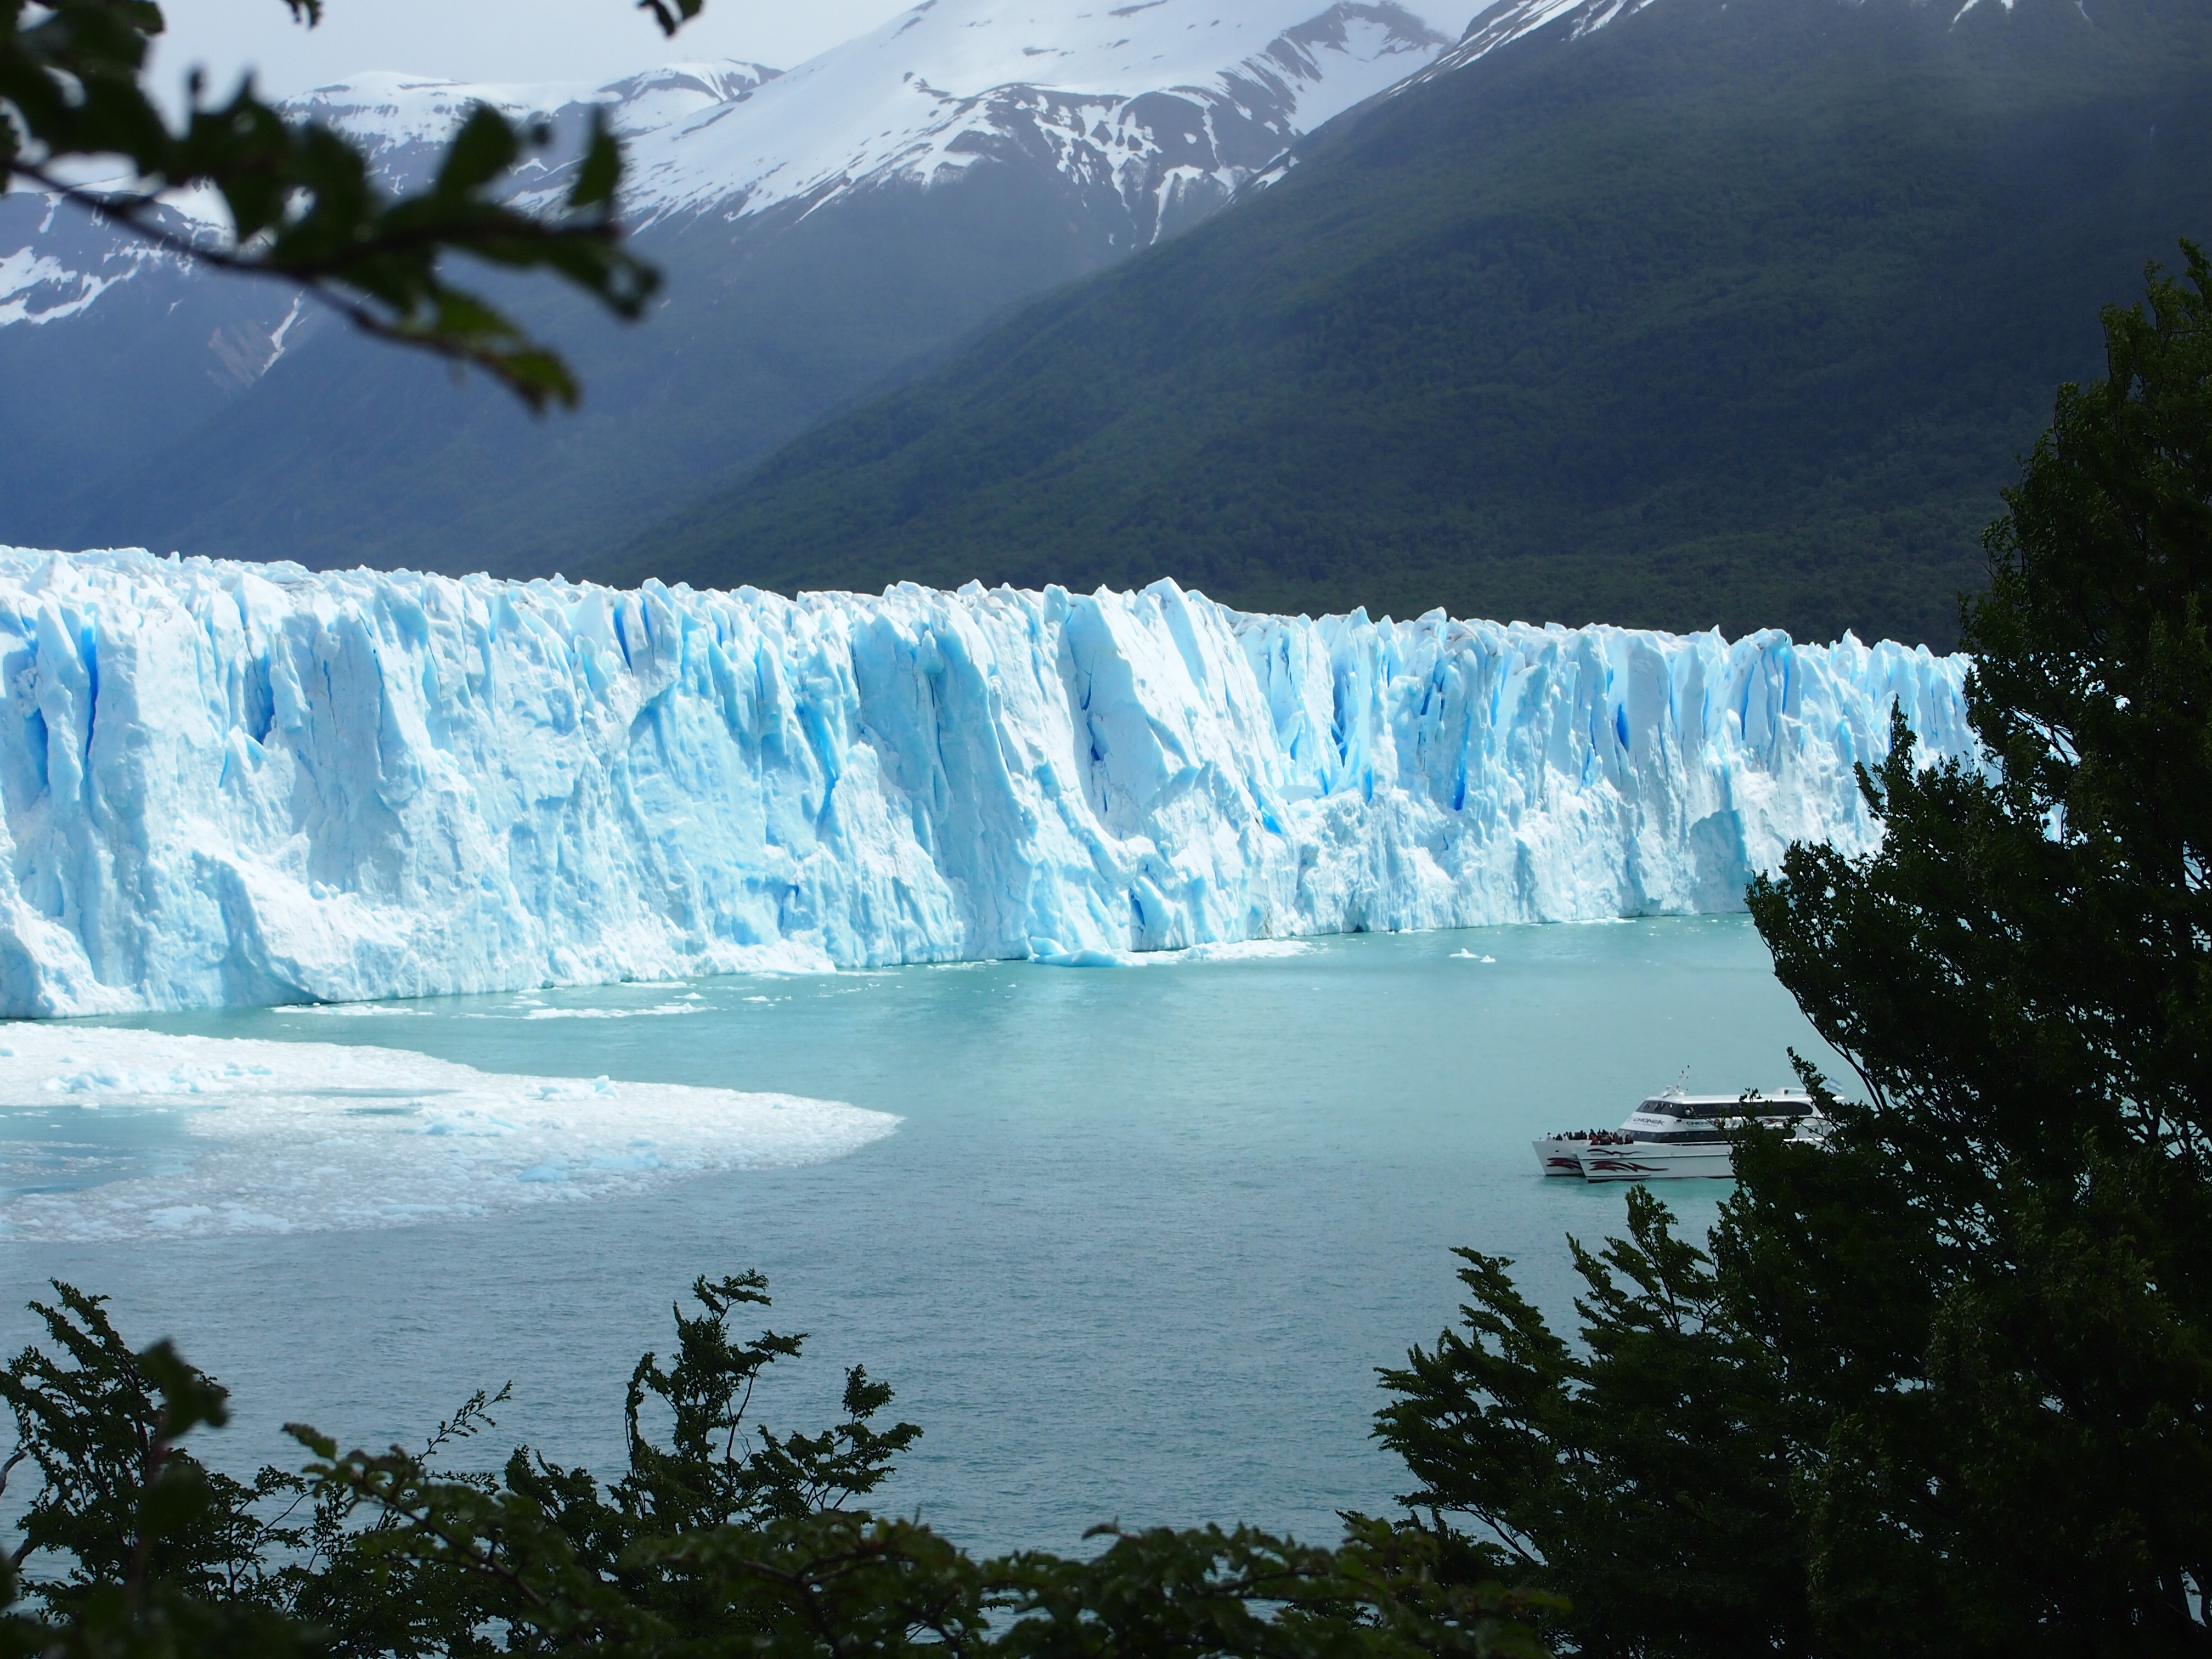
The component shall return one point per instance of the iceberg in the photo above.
(228, 784)
(241, 1135)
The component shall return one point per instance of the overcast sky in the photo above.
(591, 40)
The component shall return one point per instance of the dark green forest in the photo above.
(1722, 314)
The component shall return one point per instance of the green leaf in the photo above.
(671, 15)
(600, 172)
(485, 147)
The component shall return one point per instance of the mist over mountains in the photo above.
(1681, 313)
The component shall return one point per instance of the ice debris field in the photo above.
(228, 784)
(280, 1136)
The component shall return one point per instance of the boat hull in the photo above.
(1558, 1154)
(1647, 1160)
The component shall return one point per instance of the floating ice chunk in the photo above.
(685, 1007)
(1049, 953)
(421, 1136)
(1250, 950)
(178, 1218)
(186, 1079)
(347, 1008)
(234, 784)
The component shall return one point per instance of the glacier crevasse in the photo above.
(234, 784)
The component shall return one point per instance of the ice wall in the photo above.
(234, 784)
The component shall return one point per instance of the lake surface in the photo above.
(1132, 1250)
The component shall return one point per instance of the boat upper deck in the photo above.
(1790, 1104)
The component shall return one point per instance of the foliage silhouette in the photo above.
(1943, 1388)
(721, 1538)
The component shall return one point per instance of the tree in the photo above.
(1946, 1387)
(302, 206)
(722, 1537)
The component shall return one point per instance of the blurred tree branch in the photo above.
(302, 205)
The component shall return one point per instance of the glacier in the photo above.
(228, 784)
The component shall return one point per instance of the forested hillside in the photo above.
(346, 454)
(1733, 314)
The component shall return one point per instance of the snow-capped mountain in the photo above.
(64, 260)
(822, 228)
(1160, 110)
(402, 120)
(1168, 106)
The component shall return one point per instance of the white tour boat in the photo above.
(1678, 1134)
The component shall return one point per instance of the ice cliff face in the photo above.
(235, 784)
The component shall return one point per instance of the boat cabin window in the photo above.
(1680, 1109)
(1705, 1110)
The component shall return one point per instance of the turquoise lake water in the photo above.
(1133, 1252)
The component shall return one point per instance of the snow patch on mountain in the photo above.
(50, 277)
(1503, 21)
(228, 784)
(1164, 102)
(36, 288)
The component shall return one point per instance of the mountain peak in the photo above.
(1169, 104)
